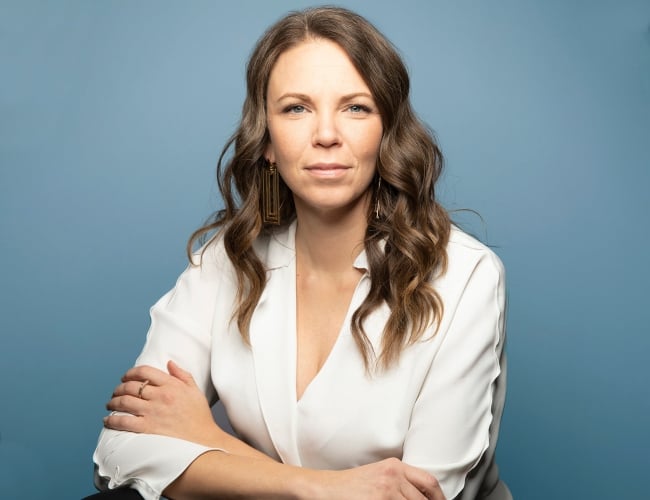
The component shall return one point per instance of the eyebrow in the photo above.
(305, 97)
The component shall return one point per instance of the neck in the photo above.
(329, 243)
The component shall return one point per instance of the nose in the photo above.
(326, 133)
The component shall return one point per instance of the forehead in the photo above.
(315, 65)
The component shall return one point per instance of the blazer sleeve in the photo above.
(181, 326)
(464, 388)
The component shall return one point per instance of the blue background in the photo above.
(112, 115)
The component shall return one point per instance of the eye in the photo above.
(358, 108)
(295, 109)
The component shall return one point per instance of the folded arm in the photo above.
(151, 401)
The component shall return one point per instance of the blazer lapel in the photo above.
(273, 343)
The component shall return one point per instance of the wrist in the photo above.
(309, 484)
(217, 438)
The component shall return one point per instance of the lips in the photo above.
(327, 170)
(327, 167)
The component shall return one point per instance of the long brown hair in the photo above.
(407, 231)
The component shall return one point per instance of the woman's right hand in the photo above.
(388, 479)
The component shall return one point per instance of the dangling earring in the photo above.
(271, 194)
(377, 198)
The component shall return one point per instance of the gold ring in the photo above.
(142, 386)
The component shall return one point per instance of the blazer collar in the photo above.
(279, 249)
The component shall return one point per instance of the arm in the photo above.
(172, 405)
(153, 460)
(462, 382)
(180, 330)
(218, 475)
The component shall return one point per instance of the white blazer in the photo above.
(438, 409)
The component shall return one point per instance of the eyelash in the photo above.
(299, 108)
(292, 108)
(362, 108)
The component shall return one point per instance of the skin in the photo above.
(325, 133)
(325, 130)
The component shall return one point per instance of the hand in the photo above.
(389, 479)
(168, 404)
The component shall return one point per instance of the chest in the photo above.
(342, 408)
(322, 310)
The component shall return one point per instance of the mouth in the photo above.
(327, 169)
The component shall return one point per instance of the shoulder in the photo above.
(473, 271)
(212, 254)
(464, 253)
(274, 248)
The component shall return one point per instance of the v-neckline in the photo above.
(344, 329)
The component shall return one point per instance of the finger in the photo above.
(410, 492)
(424, 482)
(135, 388)
(121, 422)
(179, 373)
(145, 372)
(127, 404)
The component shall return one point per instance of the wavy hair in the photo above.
(408, 229)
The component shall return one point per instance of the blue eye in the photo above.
(358, 108)
(295, 108)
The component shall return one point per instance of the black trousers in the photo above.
(117, 494)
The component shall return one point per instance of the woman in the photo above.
(353, 335)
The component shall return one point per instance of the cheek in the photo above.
(368, 141)
(370, 151)
(285, 145)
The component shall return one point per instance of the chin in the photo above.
(334, 200)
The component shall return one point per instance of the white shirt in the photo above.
(433, 409)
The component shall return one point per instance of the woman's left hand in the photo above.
(169, 404)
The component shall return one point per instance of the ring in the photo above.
(142, 386)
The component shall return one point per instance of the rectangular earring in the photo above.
(271, 194)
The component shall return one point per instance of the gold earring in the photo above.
(271, 194)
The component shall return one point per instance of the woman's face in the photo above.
(324, 127)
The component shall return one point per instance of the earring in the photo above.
(377, 198)
(271, 194)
